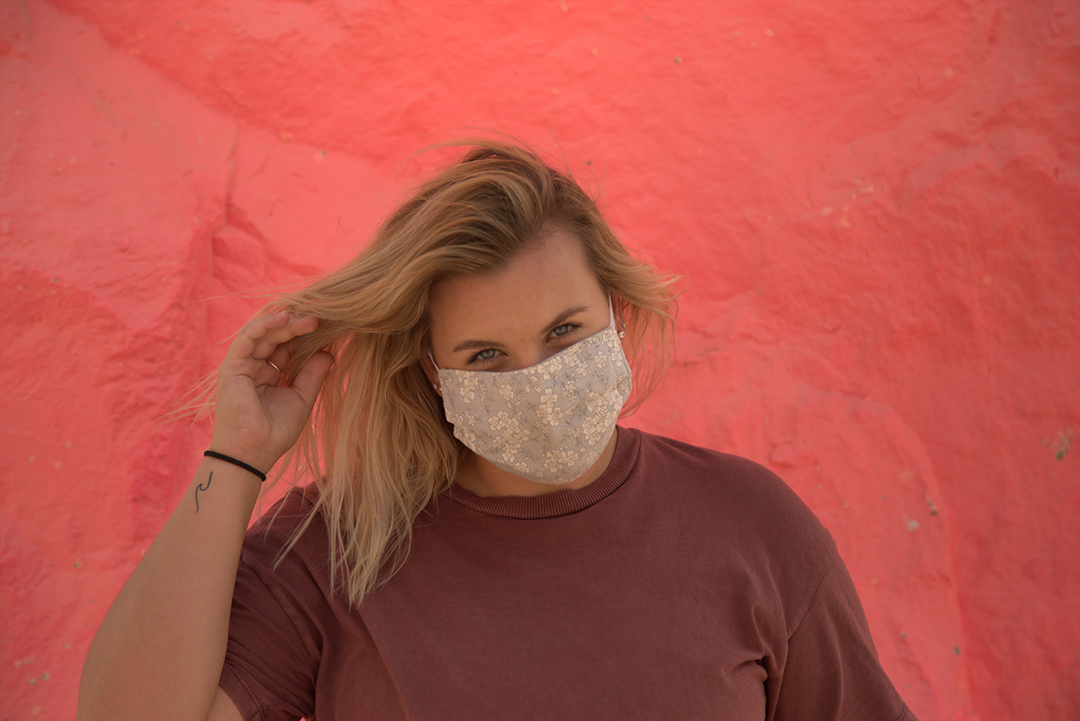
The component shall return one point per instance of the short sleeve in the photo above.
(832, 672)
(269, 667)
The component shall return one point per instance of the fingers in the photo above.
(262, 336)
(276, 333)
(273, 368)
(270, 371)
(310, 377)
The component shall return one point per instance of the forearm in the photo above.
(160, 650)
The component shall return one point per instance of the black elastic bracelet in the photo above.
(227, 459)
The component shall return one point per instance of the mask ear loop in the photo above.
(437, 369)
(611, 318)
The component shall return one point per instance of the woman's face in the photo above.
(543, 301)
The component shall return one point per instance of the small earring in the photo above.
(622, 334)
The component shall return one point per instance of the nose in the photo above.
(529, 357)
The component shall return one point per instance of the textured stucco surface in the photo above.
(876, 208)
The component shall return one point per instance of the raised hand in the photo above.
(257, 420)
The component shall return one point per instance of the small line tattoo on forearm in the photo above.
(201, 487)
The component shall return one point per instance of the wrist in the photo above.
(236, 462)
(256, 455)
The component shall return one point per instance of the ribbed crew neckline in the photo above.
(560, 503)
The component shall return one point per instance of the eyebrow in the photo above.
(559, 320)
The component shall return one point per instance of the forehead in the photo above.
(534, 286)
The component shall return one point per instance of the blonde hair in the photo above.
(378, 447)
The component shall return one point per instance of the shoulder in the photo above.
(742, 505)
(706, 464)
(288, 514)
(737, 487)
(290, 541)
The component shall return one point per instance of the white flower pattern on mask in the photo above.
(546, 423)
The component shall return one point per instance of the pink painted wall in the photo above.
(875, 206)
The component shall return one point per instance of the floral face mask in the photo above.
(550, 422)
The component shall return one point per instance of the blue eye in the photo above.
(563, 330)
(484, 355)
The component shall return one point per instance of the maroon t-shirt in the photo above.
(681, 584)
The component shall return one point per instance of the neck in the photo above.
(483, 478)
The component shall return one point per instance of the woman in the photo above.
(478, 539)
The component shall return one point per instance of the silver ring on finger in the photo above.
(273, 365)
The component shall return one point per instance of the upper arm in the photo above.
(273, 651)
(223, 708)
(832, 670)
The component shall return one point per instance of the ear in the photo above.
(430, 372)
